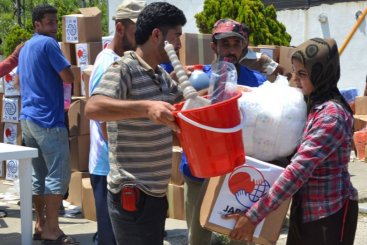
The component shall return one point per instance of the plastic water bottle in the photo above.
(67, 96)
(199, 79)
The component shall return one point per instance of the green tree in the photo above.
(16, 35)
(8, 18)
(261, 20)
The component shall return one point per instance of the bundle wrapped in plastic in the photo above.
(275, 118)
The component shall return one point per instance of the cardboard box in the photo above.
(86, 72)
(176, 175)
(88, 202)
(361, 105)
(83, 27)
(2, 132)
(2, 170)
(238, 191)
(11, 133)
(360, 122)
(10, 110)
(285, 57)
(68, 50)
(12, 169)
(270, 50)
(196, 49)
(8, 81)
(75, 187)
(77, 121)
(86, 53)
(77, 87)
(176, 204)
(79, 152)
(106, 40)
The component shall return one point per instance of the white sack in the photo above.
(275, 118)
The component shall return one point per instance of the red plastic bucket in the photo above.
(211, 137)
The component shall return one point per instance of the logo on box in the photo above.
(248, 185)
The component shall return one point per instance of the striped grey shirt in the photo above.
(140, 152)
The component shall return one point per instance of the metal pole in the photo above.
(355, 27)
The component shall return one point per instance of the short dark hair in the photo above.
(160, 15)
(38, 12)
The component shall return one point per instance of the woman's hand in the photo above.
(243, 229)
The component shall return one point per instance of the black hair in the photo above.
(160, 15)
(39, 12)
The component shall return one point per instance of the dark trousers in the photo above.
(105, 234)
(327, 231)
(140, 227)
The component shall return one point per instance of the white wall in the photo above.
(302, 25)
(189, 7)
(305, 24)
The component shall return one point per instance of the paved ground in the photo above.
(83, 229)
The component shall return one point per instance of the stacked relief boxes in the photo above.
(175, 194)
(10, 131)
(81, 43)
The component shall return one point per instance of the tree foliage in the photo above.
(261, 20)
(10, 29)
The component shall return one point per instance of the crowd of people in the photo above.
(131, 108)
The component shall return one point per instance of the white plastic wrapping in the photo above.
(275, 118)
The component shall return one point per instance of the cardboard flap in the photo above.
(361, 105)
(92, 11)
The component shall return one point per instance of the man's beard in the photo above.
(127, 45)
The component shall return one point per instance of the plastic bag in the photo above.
(275, 118)
(223, 81)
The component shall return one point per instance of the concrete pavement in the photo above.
(83, 229)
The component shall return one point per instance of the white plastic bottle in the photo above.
(199, 79)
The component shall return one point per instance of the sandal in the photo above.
(62, 239)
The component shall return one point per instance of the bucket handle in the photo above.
(217, 130)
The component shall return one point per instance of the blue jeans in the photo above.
(51, 169)
(141, 227)
(105, 234)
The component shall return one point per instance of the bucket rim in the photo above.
(230, 100)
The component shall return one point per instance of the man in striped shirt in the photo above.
(135, 98)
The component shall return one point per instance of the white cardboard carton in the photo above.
(237, 191)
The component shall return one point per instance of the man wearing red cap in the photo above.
(229, 38)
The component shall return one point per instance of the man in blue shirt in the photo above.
(42, 70)
(228, 41)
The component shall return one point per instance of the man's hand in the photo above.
(17, 49)
(160, 112)
(243, 230)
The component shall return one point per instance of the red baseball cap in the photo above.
(224, 28)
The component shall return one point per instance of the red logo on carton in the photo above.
(8, 78)
(248, 185)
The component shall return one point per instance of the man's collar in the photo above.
(142, 62)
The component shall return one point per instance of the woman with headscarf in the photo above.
(324, 202)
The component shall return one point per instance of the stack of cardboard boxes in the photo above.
(81, 43)
(10, 131)
(175, 194)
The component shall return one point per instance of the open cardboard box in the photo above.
(235, 192)
(83, 27)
